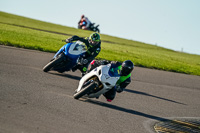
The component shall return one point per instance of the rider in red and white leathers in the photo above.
(84, 23)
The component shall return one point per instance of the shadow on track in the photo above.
(115, 107)
(146, 94)
(66, 75)
(165, 125)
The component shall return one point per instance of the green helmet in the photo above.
(94, 38)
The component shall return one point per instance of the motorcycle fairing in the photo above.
(102, 72)
(72, 51)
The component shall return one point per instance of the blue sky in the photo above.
(173, 24)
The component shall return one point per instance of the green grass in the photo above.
(33, 34)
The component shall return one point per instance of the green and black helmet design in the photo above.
(95, 37)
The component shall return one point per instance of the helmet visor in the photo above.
(125, 71)
(93, 42)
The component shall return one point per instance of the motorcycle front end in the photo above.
(66, 57)
(96, 82)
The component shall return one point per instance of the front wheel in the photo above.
(54, 62)
(84, 90)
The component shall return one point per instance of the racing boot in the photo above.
(82, 74)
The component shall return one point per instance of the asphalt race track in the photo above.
(34, 101)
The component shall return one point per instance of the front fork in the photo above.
(95, 79)
(59, 51)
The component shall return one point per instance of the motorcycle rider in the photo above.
(84, 23)
(93, 44)
(125, 70)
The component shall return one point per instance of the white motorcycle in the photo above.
(97, 82)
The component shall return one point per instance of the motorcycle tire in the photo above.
(54, 62)
(85, 90)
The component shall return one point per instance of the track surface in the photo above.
(33, 101)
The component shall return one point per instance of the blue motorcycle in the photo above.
(67, 57)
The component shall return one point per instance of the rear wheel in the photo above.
(98, 31)
(85, 90)
(54, 62)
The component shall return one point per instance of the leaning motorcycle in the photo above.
(67, 57)
(92, 27)
(97, 82)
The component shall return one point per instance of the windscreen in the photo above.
(114, 71)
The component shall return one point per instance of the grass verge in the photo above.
(33, 34)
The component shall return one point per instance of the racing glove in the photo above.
(67, 40)
(118, 88)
